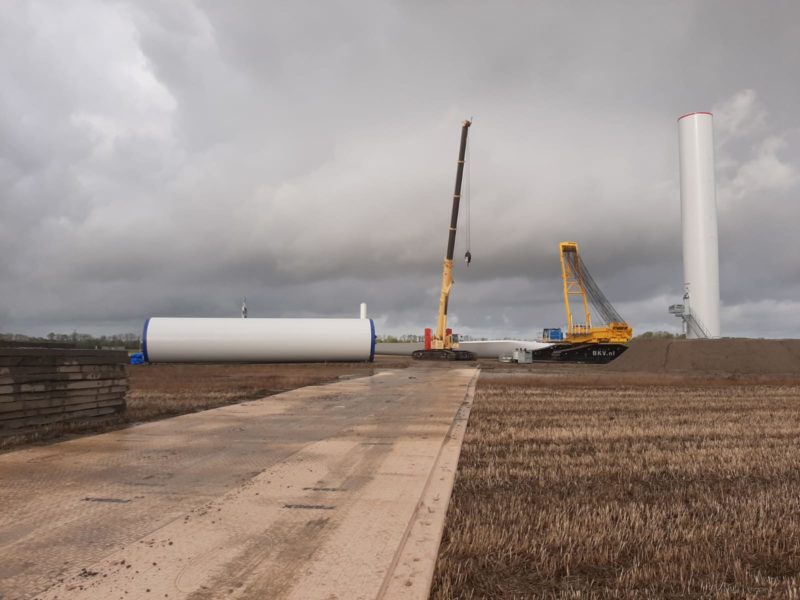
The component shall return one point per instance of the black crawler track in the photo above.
(444, 355)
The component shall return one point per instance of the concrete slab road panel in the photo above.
(312, 493)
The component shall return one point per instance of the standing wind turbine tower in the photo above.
(700, 309)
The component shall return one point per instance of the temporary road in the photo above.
(330, 492)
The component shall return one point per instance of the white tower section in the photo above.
(699, 221)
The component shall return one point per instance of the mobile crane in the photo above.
(443, 344)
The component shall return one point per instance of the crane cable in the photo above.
(467, 207)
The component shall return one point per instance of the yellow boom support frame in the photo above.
(582, 333)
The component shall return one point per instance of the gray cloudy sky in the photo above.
(167, 158)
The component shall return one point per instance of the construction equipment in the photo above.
(691, 325)
(585, 342)
(578, 282)
(443, 344)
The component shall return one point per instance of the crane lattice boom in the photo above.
(579, 282)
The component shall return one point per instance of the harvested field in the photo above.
(164, 390)
(161, 390)
(602, 486)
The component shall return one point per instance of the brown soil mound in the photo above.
(730, 355)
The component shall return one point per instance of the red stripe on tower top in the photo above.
(695, 113)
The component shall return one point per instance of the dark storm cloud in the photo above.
(170, 158)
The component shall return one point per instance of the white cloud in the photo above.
(765, 172)
(740, 115)
(749, 151)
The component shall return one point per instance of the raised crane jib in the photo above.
(596, 297)
(441, 340)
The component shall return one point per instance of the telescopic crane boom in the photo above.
(442, 345)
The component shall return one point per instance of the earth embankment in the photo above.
(727, 355)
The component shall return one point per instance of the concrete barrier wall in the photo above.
(43, 386)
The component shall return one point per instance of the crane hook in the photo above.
(468, 257)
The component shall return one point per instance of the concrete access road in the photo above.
(335, 491)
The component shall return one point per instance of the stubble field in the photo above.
(598, 485)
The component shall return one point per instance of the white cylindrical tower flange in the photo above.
(699, 220)
(363, 310)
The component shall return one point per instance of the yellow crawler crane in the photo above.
(578, 282)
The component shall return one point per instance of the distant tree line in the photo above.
(666, 335)
(398, 339)
(129, 341)
(411, 337)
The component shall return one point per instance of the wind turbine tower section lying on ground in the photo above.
(258, 340)
(700, 310)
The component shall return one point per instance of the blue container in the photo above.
(553, 335)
